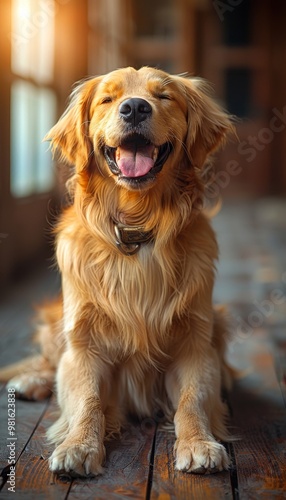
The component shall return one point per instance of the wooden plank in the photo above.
(260, 417)
(169, 484)
(28, 415)
(33, 477)
(11, 447)
(127, 467)
(126, 470)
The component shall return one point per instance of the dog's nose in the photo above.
(135, 110)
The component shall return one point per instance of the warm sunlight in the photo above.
(22, 9)
(32, 37)
(33, 103)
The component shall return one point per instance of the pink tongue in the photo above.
(135, 162)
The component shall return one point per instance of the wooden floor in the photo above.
(252, 280)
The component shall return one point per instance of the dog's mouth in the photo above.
(136, 159)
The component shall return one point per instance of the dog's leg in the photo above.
(81, 428)
(33, 378)
(193, 385)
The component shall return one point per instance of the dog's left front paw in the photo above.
(77, 460)
(200, 457)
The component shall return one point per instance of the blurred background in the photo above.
(47, 45)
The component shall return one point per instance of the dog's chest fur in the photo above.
(136, 302)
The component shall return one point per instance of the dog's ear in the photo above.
(70, 135)
(208, 123)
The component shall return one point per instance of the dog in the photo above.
(135, 329)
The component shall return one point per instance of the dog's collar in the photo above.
(130, 238)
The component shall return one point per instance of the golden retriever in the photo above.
(135, 329)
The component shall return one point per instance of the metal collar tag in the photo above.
(130, 238)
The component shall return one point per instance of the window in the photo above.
(238, 91)
(237, 33)
(154, 19)
(33, 100)
(237, 25)
(156, 34)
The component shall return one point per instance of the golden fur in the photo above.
(134, 332)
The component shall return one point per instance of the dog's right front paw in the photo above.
(77, 460)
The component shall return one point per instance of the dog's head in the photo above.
(139, 126)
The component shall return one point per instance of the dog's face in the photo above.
(138, 126)
(137, 121)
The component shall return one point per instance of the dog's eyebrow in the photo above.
(166, 81)
(158, 83)
(112, 85)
